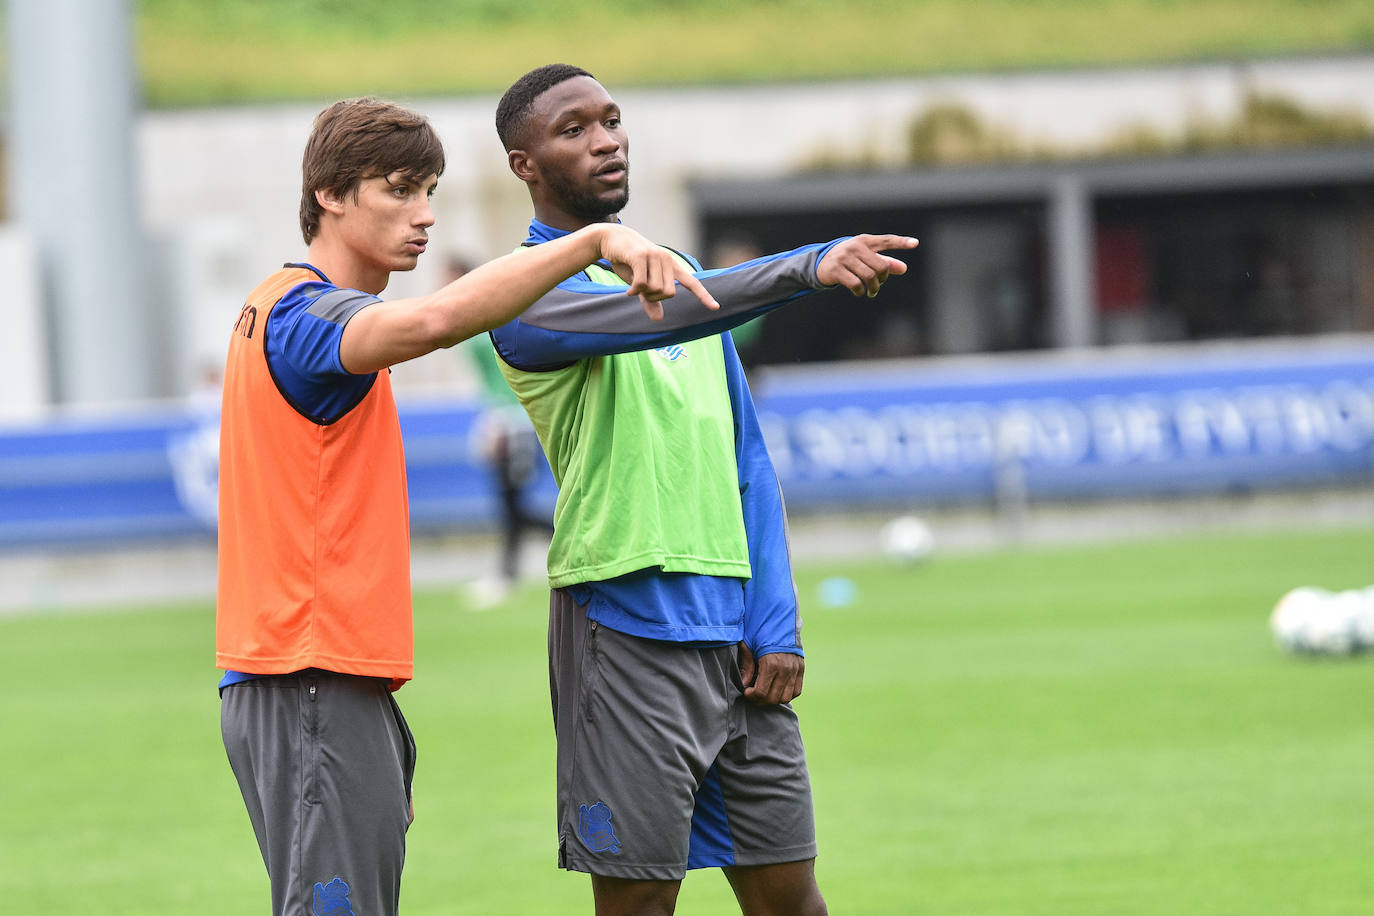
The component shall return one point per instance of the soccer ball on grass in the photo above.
(1321, 622)
(906, 539)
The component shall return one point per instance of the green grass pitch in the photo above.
(1102, 730)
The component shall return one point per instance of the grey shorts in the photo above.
(662, 764)
(325, 763)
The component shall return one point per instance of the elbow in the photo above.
(447, 325)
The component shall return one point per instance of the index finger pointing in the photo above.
(887, 242)
(692, 284)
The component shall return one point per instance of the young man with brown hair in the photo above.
(313, 624)
(674, 635)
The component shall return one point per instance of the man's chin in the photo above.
(603, 208)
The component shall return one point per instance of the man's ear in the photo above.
(521, 165)
(330, 200)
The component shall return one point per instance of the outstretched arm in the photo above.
(580, 319)
(387, 333)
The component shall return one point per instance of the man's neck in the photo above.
(343, 270)
(556, 218)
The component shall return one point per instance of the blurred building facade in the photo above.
(1078, 254)
(1079, 242)
(1076, 250)
(1046, 240)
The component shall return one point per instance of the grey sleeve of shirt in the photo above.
(339, 305)
(748, 287)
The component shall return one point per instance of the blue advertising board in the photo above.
(152, 475)
(1102, 424)
(1163, 422)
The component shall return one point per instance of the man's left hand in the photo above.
(859, 265)
(775, 678)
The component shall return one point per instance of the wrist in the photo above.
(821, 255)
(762, 651)
(598, 235)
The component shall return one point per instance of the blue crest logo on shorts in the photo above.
(594, 827)
(332, 899)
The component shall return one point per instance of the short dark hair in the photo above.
(514, 108)
(362, 138)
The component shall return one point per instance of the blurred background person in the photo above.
(504, 441)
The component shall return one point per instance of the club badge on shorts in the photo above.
(595, 830)
(332, 899)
